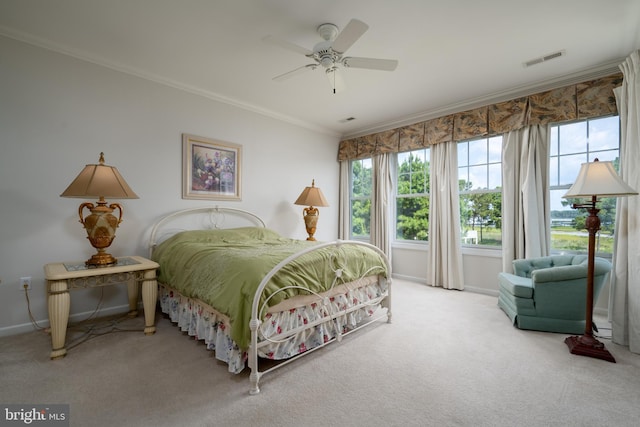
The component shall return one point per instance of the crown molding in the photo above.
(96, 60)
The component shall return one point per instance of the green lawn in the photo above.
(562, 238)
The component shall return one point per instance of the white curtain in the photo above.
(444, 264)
(344, 207)
(525, 195)
(624, 300)
(380, 214)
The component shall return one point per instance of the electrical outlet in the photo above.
(25, 282)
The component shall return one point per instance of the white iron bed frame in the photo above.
(222, 217)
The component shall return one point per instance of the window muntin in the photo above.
(571, 145)
(412, 195)
(360, 198)
(480, 180)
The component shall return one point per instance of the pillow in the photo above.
(229, 235)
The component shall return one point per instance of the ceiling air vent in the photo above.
(348, 119)
(544, 58)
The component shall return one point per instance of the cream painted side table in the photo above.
(65, 276)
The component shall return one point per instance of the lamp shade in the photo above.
(99, 181)
(598, 179)
(311, 196)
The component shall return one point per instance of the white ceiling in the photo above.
(453, 54)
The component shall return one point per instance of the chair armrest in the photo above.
(517, 286)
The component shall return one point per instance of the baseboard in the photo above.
(474, 289)
(29, 327)
(408, 278)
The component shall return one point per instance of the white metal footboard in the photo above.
(257, 311)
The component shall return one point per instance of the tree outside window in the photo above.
(412, 195)
(480, 186)
(360, 198)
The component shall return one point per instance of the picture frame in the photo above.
(211, 169)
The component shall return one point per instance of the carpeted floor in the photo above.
(448, 359)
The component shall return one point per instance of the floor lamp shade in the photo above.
(596, 179)
(100, 181)
(311, 197)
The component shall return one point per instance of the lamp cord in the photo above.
(33, 320)
(90, 324)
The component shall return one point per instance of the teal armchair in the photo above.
(550, 293)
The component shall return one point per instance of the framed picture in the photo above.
(211, 169)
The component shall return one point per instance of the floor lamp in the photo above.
(596, 179)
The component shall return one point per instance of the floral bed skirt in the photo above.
(358, 300)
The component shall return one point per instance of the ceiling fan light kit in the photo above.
(329, 53)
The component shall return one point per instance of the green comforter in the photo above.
(224, 268)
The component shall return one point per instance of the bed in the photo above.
(255, 296)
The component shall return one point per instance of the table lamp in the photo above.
(100, 181)
(596, 179)
(311, 197)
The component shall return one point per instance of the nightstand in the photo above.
(65, 276)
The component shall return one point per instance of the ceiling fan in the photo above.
(329, 54)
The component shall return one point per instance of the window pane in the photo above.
(608, 156)
(463, 154)
(569, 168)
(481, 213)
(412, 218)
(553, 141)
(573, 137)
(361, 178)
(495, 176)
(463, 178)
(478, 152)
(604, 134)
(553, 171)
(495, 149)
(478, 177)
(360, 218)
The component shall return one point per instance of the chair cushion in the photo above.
(521, 287)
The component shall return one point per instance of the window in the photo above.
(412, 195)
(480, 180)
(360, 198)
(571, 145)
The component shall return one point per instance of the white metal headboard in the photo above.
(203, 218)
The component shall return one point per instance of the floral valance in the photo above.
(593, 98)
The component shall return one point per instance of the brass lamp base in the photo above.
(101, 259)
(101, 228)
(585, 345)
(311, 215)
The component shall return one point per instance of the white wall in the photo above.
(480, 267)
(58, 113)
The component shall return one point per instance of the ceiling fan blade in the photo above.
(336, 81)
(371, 63)
(287, 45)
(295, 72)
(349, 35)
